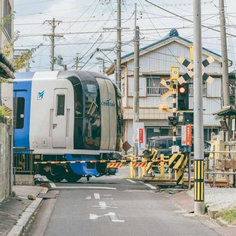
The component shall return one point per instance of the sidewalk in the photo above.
(16, 211)
(185, 200)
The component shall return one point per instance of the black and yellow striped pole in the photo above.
(199, 180)
(174, 78)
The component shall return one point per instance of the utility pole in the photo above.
(225, 76)
(198, 113)
(136, 78)
(52, 36)
(224, 54)
(77, 62)
(118, 46)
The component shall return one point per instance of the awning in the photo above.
(226, 111)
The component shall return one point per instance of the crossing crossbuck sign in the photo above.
(174, 74)
(189, 65)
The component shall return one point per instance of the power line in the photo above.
(184, 18)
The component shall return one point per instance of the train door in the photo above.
(59, 118)
(21, 118)
(108, 114)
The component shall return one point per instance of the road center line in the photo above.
(151, 187)
(131, 181)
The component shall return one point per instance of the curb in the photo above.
(26, 216)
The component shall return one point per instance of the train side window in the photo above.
(60, 105)
(19, 112)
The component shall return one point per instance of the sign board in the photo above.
(174, 149)
(186, 135)
(174, 73)
(138, 136)
(126, 146)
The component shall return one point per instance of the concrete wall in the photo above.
(5, 162)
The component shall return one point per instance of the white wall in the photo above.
(163, 58)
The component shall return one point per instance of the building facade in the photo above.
(6, 36)
(155, 62)
(6, 98)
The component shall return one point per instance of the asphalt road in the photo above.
(115, 206)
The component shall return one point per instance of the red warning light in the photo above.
(182, 89)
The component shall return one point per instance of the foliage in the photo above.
(20, 61)
(229, 215)
(5, 112)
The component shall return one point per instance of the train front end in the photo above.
(98, 125)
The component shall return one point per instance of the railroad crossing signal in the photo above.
(189, 65)
(183, 97)
(173, 120)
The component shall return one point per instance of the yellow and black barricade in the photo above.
(178, 161)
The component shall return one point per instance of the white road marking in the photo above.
(83, 187)
(88, 198)
(52, 185)
(131, 181)
(114, 218)
(103, 206)
(112, 215)
(151, 187)
(97, 196)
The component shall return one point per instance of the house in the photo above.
(6, 36)
(156, 61)
(6, 98)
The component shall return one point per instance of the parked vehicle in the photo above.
(164, 144)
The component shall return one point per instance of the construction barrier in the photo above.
(114, 165)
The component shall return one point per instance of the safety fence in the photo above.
(217, 167)
(171, 167)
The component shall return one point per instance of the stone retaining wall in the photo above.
(5, 162)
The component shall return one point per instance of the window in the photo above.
(19, 110)
(154, 87)
(60, 105)
(7, 18)
(204, 87)
(208, 132)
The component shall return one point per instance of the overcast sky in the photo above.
(84, 22)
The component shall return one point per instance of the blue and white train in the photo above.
(67, 116)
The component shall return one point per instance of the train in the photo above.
(71, 118)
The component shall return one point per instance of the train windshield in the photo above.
(87, 131)
(92, 126)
